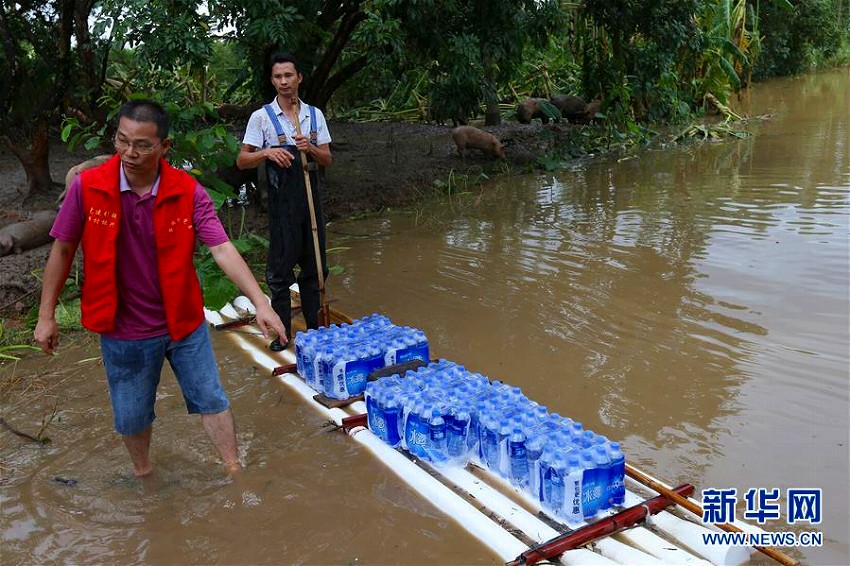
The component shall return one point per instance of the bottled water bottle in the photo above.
(300, 339)
(325, 361)
(457, 429)
(617, 478)
(503, 465)
(409, 424)
(589, 487)
(418, 438)
(392, 416)
(553, 486)
(374, 411)
(603, 474)
(518, 458)
(489, 438)
(534, 451)
(310, 343)
(436, 445)
(321, 381)
(572, 491)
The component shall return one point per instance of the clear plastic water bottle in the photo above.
(409, 422)
(457, 430)
(436, 446)
(310, 343)
(603, 475)
(374, 412)
(617, 478)
(337, 371)
(421, 428)
(553, 486)
(489, 426)
(369, 359)
(503, 466)
(300, 339)
(572, 491)
(321, 381)
(518, 458)
(392, 416)
(534, 447)
(589, 486)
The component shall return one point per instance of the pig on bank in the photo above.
(468, 137)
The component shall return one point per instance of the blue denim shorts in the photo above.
(133, 369)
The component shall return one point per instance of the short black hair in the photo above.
(285, 58)
(146, 110)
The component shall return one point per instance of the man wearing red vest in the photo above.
(137, 218)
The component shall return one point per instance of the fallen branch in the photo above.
(38, 439)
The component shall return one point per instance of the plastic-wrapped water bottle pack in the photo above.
(446, 415)
(337, 360)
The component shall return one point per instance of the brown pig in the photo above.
(467, 137)
(572, 108)
(21, 236)
(593, 108)
(529, 109)
(80, 167)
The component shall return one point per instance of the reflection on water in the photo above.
(692, 303)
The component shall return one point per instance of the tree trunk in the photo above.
(34, 154)
(492, 117)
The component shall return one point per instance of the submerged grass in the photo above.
(32, 392)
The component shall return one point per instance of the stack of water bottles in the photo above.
(446, 415)
(336, 360)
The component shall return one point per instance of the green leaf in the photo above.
(68, 315)
(218, 290)
(217, 198)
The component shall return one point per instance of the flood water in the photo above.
(691, 303)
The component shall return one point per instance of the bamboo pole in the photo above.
(324, 313)
(694, 508)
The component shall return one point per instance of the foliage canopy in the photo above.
(411, 59)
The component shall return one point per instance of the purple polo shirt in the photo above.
(140, 311)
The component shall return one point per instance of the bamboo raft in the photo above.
(659, 524)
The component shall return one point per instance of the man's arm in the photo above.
(228, 259)
(56, 271)
(250, 157)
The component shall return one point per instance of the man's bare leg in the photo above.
(222, 432)
(138, 445)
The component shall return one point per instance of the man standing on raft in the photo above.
(272, 140)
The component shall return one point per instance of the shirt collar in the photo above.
(124, 184)
(303, 110)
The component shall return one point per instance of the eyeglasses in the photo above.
(143, 148)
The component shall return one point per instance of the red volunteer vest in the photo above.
(174, 235)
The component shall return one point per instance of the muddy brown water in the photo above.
(691, 303)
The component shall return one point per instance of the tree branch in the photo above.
(339, 78)
(346, 28)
